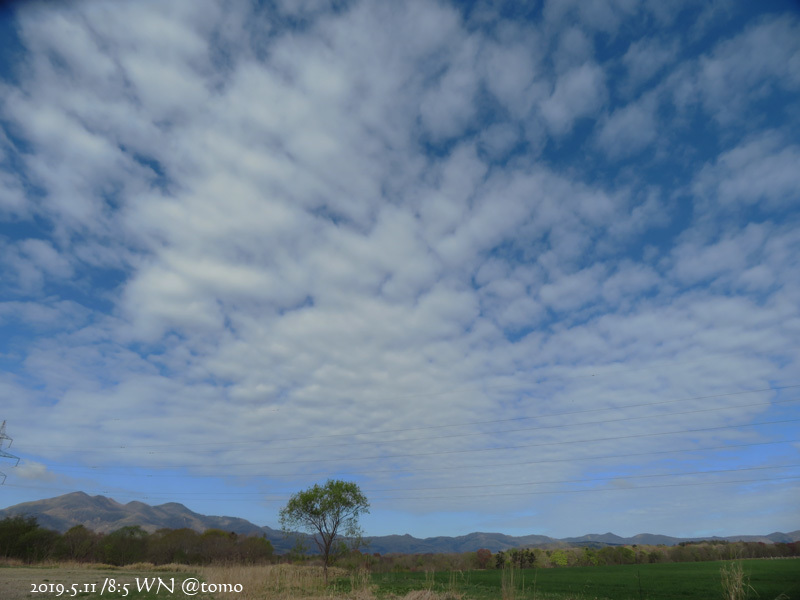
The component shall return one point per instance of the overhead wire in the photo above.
(586, 480)
(274, 498)
(451, 467)
(492, 449)
(517, 447)
(548, 443)
(641, 487)
(429, 427)
(526, 483)
(559, 426)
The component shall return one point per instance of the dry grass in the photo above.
(735, 584)
(271, 581)
(266, 582)
(288, 582)
(508, 587)
(84, 566)
(427, 595)
(16, 580)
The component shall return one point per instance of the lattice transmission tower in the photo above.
(3, 453)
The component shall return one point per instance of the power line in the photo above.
(515, 484)
(448, 468)
(429, 427)
(555, 460)
(268, 498)
(561, 426)
(464, 451)
(618, 437)
(540, 427)
(641, 487)
(589, 480)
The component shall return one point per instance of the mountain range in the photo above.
(104, 515)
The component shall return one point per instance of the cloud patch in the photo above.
(408, 244)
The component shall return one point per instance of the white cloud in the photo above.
(762, 170)
(697, 262)
(12, 195)
(33, 263)
(499, 139)
(573, 291)
(604, 15)
(45, 315)
(35, 471)
(746, 68)
(244, 237)
(512, 73)
(629, 129)
(645, 58)
(448, 105)
(579, 92)
(574, 49)
(628, 283)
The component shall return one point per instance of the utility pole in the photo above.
(3, 453)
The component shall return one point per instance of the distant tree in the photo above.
(217, 545)
(78, 544)
(559, 558)
(325, 512)
(12, 531)
(125, 546)
(589, 557)
(484, 555)
(254, 550)
(522, 558)
(21, 537)
(174, 546)
(39, 544)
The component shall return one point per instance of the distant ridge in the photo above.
(105, 515)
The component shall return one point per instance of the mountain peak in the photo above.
(105, 515)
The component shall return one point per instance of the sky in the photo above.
(530, 268)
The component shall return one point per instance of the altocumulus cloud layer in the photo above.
(527, 268)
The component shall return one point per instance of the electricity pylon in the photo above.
(3, 453)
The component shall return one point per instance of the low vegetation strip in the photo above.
(770, 579)
(725, 580)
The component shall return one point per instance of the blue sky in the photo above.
(529, 270)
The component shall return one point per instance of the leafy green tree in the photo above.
(559, 558)
(325, 512)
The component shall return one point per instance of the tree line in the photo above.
(526, 558)
(640, 554)
(24, 539)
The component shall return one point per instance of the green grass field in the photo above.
(770, 579)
